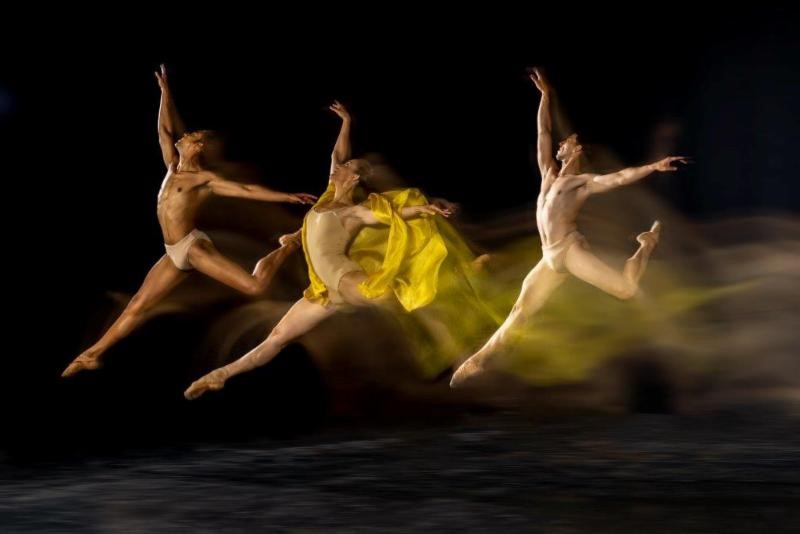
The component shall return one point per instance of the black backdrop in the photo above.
(446, 102)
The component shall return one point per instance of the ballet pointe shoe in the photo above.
(472, 367)
(479, 263)
(213, 381)
(650, 238)
(83, 362)
(291, 240)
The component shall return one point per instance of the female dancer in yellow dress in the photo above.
(371, 253)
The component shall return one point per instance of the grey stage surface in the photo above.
(653, 473)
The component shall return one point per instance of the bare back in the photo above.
(180, 196)
(558, 205)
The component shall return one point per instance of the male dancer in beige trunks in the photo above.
(564, 250)
(185, 187)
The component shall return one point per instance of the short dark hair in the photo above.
(206, 135)
(362, 167)
(213, 146)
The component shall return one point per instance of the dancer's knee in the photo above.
(626, 291)
(254, 287)
(278, 337)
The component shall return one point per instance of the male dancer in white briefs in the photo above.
(563, 192)
(184, 189)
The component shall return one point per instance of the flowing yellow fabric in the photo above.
(402, 256)
(580, 328)
(428, 267)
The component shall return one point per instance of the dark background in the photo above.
(445, 101)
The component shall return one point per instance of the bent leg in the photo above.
(350, 293)
(161, 279)
(536, 289)
(205, 257)
(589, 268)
(303, 316)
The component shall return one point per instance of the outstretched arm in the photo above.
(544, 145)
(445, 204)
(601, 183)
(426, 210)
(342, 150)
(227, 188)
(170, 125)
(409, 212)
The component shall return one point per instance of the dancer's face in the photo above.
(569, 148)
(348, 174)
(190, 144)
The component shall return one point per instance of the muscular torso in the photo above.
(558, 205)
(179, 198)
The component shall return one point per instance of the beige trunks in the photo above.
(555, 254)
(179, 252)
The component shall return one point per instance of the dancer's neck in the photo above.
(189, 164)
(571, 166)
(343, 197)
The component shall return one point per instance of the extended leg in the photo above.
(301, 317)
(536, 289)
(589, 268)
(205, 257)
(161, 279)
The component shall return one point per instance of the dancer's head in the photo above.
(192, 144)
(347, 175)
(569, 148)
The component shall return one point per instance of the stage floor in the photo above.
(642, 473)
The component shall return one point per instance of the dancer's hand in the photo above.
(300, 198)
(338, 108)
(161, 76)
(445, 204)
(431, 209)
(666, 164)
(538, 79)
